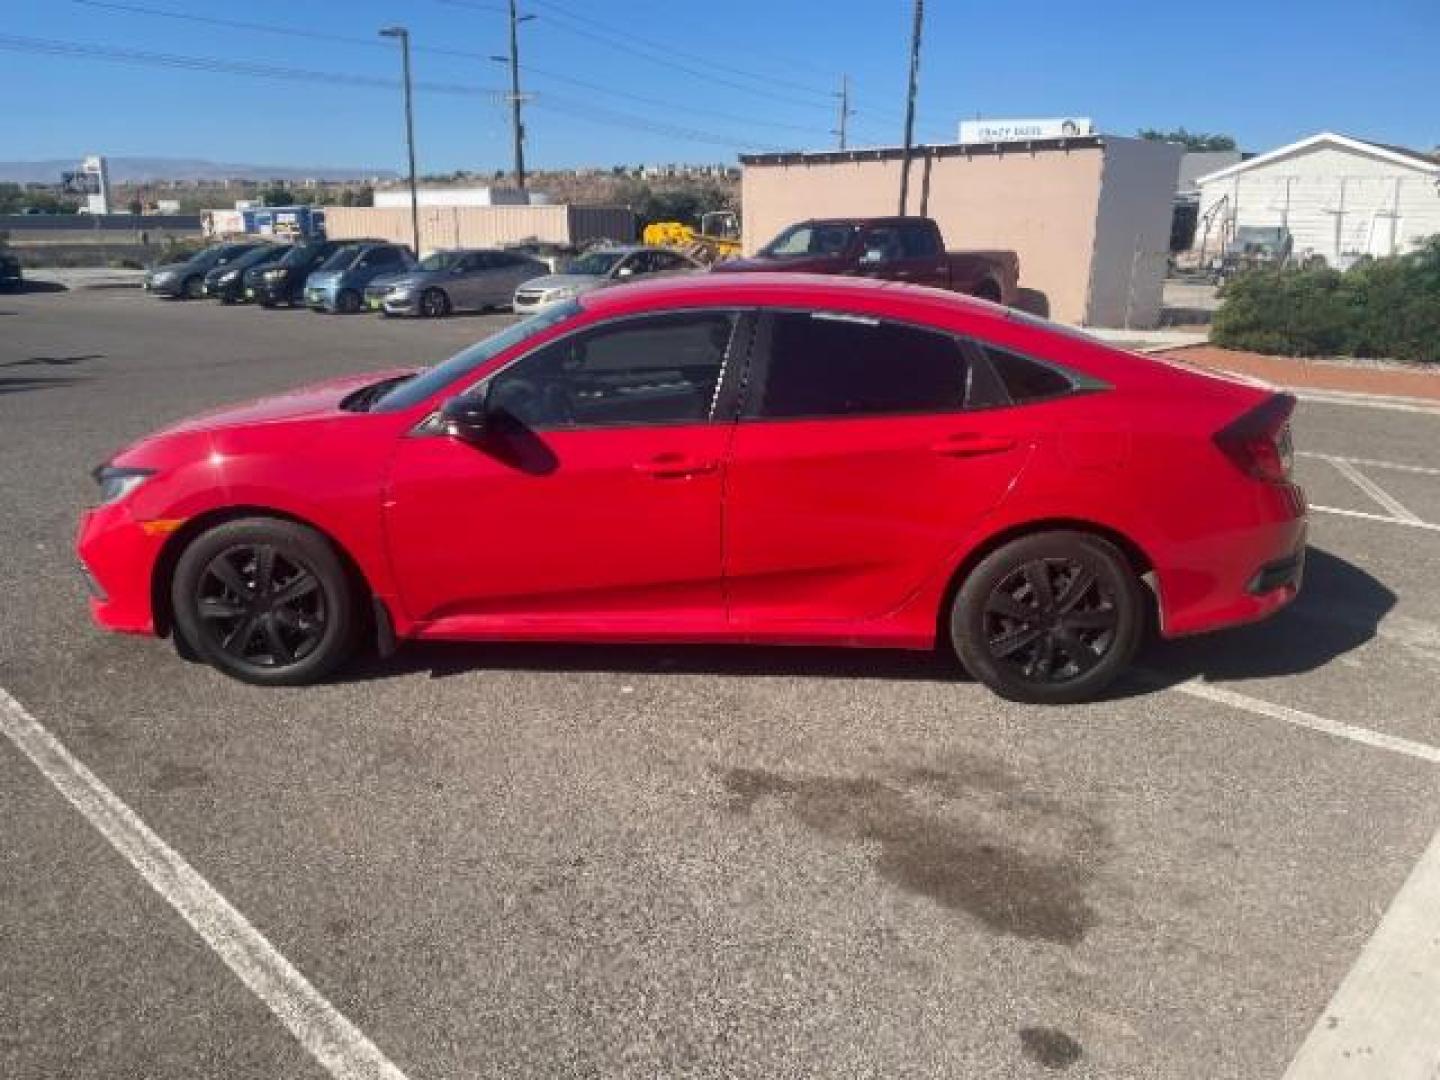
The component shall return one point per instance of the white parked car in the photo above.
(599, 268)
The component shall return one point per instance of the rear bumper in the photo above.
(1239, 576)
(117, 558)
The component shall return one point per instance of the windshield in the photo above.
(342, 259)
(441, 260)
(810, 238)
(298, 256)
(267, 253)
(211, 256)
(413, 391)
(596, 264)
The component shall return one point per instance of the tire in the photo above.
(1066, 650)
(434, 304)
(226, 607)
(347, 302)
(194, 288)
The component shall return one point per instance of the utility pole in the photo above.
(515, 96)
(845, 111)
(404, 37)
(910, 103)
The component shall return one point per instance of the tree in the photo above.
(1191, 140)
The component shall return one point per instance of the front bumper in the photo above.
(117, 557)
(270, 292)
(320, 299)
(165, 288)
(391, 304)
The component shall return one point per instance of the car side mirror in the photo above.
(465, 417)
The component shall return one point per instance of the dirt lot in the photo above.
(662, 862)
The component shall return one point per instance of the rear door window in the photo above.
(1024, 379)
(831, 365)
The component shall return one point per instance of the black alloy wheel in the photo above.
(266, 601)
(434, 304)
(1052, 617)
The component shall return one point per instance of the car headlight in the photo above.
(164, 277)
(228, 276)
(401, 292)
(564, 293)
(275, 274)
(116, 482)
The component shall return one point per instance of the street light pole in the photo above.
(516, 98)
(910, 103)
(404, 36)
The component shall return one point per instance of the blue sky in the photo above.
(680, 80)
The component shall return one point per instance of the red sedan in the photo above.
(752, 458)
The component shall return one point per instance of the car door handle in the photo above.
(969, 444)
(675, 466)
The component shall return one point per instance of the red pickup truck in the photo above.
(894, 248)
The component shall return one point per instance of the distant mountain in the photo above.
(136, 169)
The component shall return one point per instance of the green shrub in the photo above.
(1381, 308)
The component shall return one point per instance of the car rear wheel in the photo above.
(265, 601)
(347, 302)
(1050, 618)
(434, 304)
(194, 288)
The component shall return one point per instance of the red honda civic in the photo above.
(776, 459)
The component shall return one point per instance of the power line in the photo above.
(217, 65)
(316, 35)
(250, 69)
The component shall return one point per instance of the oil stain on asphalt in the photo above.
(951, 853)
(1049, 1047)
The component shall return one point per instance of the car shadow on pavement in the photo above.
(1339, 608)
(443, 659)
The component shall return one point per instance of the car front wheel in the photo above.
(265, 601)
(434, 304)
(1050, 618)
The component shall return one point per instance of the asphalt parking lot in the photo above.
(665, 862)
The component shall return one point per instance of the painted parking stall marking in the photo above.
(1382, 1020)
(1350, 468)
(337, 1044)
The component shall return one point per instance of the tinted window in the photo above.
(657, 370)
(882, 244)
(810, 238)
(341, 260)
(383, 257)
(918, 240)
(831, 365)
(1025, 379)
(463, 363)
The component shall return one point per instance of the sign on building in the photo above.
(997, 131)
(92, 180)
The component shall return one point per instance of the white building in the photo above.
(454, 196)
(1340, 197)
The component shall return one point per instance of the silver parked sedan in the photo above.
(601, 267)
(445, 281)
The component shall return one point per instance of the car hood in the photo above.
(302, 403)
(564, 281)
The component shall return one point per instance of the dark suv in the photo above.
(187, 279)
(283, 281)
(227, 283)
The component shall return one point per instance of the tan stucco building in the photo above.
(1089, 216)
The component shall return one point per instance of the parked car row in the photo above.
(357, 275)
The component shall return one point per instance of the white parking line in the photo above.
(1371, 401)
(1374, 490)
(331, 1039)
(1378, 739)
(1384, 1020)
(1373, 517)
(1371, 463)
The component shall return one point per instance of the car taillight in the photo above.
(1259, 441)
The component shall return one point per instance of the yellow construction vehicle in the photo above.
(717, 238)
